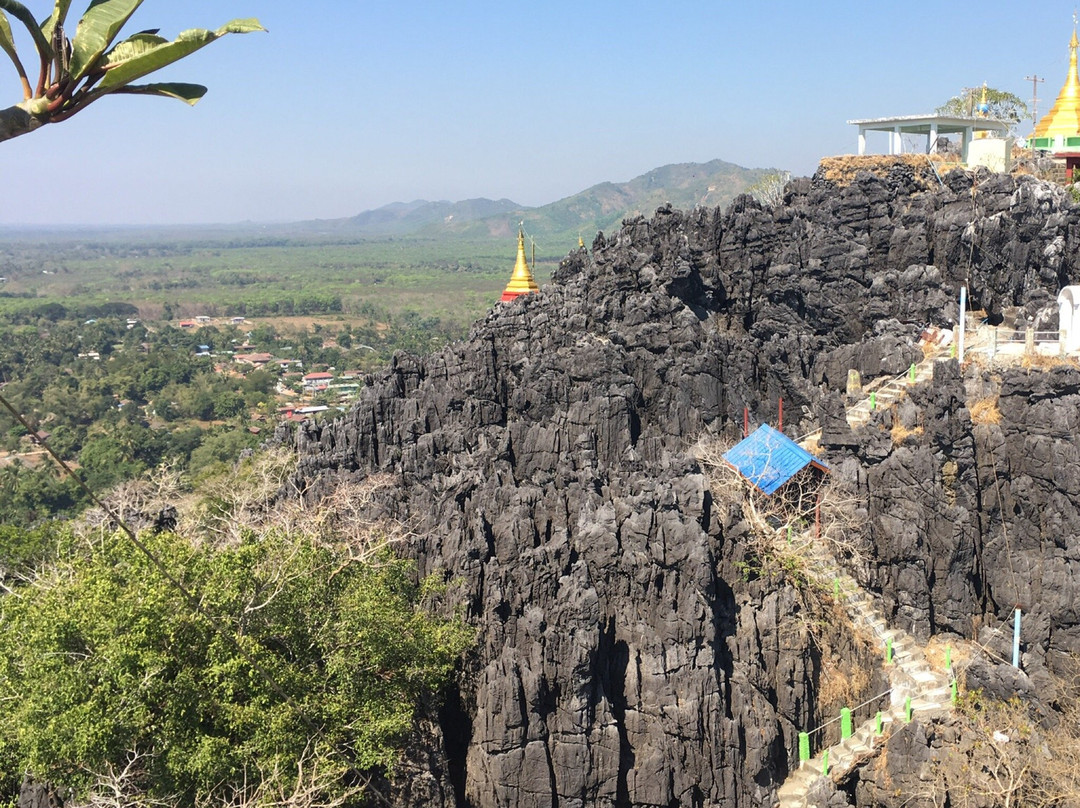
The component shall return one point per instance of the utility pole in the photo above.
(1035, 81)
(970, 91)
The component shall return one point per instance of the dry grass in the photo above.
(841, 170)
(901, 433)
(930, 349)
(1040, 362)
(844, 685)
(961, 653)
(985, 411)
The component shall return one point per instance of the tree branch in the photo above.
(16, 120)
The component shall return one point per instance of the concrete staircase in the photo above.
(910, 675)
(885, 393)
(889, 392)
(913, 682)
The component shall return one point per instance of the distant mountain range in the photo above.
(555, 226)
(601, 207)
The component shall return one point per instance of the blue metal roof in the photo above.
(769, 458)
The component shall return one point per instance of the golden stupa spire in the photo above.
(1064, 118)
(521, 282)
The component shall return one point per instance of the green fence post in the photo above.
(845, 722)
(873, 401)
(880, 723)
(907, 709)
(825, 763)
(888, 651)
(955, 693)
(804, 746)
(948, 657)
(912, 373)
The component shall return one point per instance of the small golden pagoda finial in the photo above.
(1064, 118)
(580, 242)
(521, 282)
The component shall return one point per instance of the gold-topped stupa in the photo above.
(521, 282)
(1064, 118)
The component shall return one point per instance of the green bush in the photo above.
(103, 661)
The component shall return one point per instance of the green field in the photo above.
(453, 282)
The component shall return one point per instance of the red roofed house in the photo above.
(317, 381)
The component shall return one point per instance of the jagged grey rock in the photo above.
(543, 462)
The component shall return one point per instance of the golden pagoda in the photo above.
(521, 282)
(1059, 129)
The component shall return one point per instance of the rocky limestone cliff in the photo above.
(976, 515)
(624, 656)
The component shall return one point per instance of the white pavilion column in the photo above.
(895, 145)
(969, 133)
(933, 138)
(862, 140)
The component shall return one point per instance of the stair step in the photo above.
(942, 701)
(929, 690)
(925, 676)
(802, 784)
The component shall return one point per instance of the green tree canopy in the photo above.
(105, 668)
(73, 73)
(999, 105)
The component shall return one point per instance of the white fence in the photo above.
(1005, 344)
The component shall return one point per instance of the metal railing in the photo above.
(1005, 344)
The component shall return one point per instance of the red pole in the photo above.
(746, 422)
(817, 515)
(781, 426)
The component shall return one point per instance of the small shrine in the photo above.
(769, 459)
(1058, 131)
(521, 282)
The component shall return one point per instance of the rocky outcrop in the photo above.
(973, 517)
(624, 656)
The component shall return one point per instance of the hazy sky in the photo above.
(347, 105)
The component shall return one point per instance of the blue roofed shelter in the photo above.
(768, 458)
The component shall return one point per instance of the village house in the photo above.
(316, 382)
(257, 360)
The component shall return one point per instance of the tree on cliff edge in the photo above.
(74, 73)
(999, 105)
